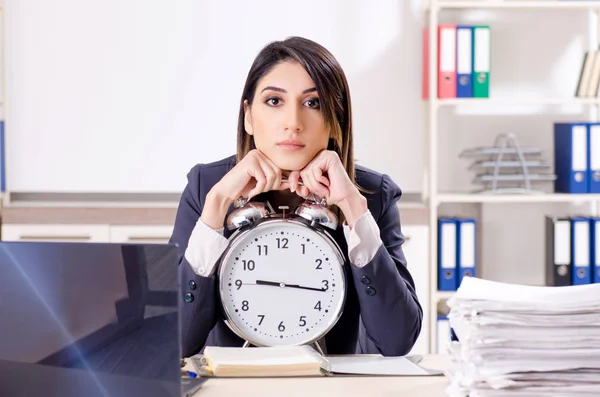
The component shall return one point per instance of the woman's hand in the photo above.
(326, 177)
(254, 174)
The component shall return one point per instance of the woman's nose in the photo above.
(293, 119)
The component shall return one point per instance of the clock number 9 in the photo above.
(248, 265)
(281, 327)
(238, 284)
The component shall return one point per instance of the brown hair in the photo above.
(331, 85)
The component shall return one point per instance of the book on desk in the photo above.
(289, 361)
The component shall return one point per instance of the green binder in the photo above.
(481, 61)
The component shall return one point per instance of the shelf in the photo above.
(541, 4)
(444, 295)
(517, 198)
(508, 101)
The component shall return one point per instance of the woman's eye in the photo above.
(273, 101)
(312, 103)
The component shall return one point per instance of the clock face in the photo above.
(282, 283)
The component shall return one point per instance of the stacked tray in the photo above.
(507, 167)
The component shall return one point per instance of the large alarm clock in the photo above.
(281, 278)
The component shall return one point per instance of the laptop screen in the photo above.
(93, 319)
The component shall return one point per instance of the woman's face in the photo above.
(285, 117)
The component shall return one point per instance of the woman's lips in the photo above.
(290, 145)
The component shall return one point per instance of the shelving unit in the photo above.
(3, 94)
(434, 198)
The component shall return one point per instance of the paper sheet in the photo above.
(377, 365)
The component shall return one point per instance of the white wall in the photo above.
(124, 96)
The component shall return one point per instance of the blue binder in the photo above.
(447, 244)
(593, 166)
(444, 334)
(466, 253)
(580, 252)
(464, 61)
(595, 249)
(571, 157)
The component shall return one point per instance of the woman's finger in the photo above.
(309, 180)
(274, 173)
(293, 180)
(258, 174)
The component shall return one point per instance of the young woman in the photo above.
(295, 125)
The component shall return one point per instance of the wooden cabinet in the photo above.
(54, 232)
(141, 233)
(88, 233)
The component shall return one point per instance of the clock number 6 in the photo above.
(281, 327)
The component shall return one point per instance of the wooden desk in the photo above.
(421, 386)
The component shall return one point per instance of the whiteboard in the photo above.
(126, 96)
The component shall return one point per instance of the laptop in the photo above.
(90, 319)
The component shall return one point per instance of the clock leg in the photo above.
(246, 344)
(317, 347)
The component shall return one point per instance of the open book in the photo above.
(298, 361)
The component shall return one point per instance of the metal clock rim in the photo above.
(276, 218)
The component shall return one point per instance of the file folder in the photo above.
(446, 61)
(580, 253)
(481, 61)
(425, 65)
(464, 61)
(558, 252)
(467, 248)
(593, 168)
(443, 334)
(447, 244)
(571, 157)
(595, 249)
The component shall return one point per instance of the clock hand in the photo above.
(284, 285)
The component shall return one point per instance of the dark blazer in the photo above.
(382, 314)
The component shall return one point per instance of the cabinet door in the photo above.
(416, 250)
(54, 232)
(141, 233)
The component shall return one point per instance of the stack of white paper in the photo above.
(517, 340)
